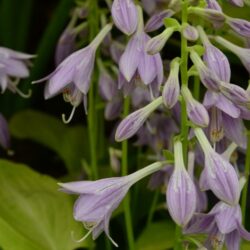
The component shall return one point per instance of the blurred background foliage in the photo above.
(33, 214)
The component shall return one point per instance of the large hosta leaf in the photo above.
(157, 236)
(34, 215)
(70, 143)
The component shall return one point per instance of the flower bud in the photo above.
(219, 175)
(181, 192)
(171, 90)
(190, 33)
(195, 110)
(214, 5)
(156, 21)
(124, 14)
(208, 78)
(240, 26)
(239, 3)
(215, 59)
(156, 44)
(131, 124)
(242, 53)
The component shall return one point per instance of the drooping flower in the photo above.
(73, 75)
(124, 14)
(98, 199)
(181, 192)
(132, 123)
(218, 174)
(136, 61)
(156, 20)
(215, 59)
(171, 90)
(223, 226)
(242, 53)
(13, 64)
(240, 26)
(4, 133)
(195, 110)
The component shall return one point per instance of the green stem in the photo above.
(184, 119)
(126, 203)
(247, 172)
(92, 126)
(153, 207)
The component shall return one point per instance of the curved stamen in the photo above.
(83, 238)
(66, 121)
(13, 87)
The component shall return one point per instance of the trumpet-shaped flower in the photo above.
(13, 64)
(222, 224)
(98, 199)
(75, 72)
(132, 123)
(181, 192)
(124, 14)
(135, 59)
(218, 174)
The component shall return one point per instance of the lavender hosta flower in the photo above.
(171, 90)
(131, 124)
(13, 64)
(190, 32)
(223, 226)
(240, 26)
(215, 59)
(156, 44)
(209, 79)
(214, 5)
(156, 21)
(98, 199)
(65, 45)
(181, 193)
(4, 133)
(218, 174)
(216, 17)
(239, 3)
(124, 14)
(195, 110)
(75, 71)
(242, 53)
(116, 51)
(135, 59)
(113, 108)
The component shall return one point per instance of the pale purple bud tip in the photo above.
(197, 113)
(124, 14)
(4, 133)
(190, 33)
(131, 124)
(239, 3)
(181, 192)
(213, 4)
(171, 90)
(156, 21)
(156, 44)
(240, 26)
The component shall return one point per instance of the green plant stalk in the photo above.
(245, 189)
(153, 207)
(184, 119)
(126, 202)
(92, 126)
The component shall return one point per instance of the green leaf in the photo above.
(158, 236)
(34, 215)
(70, 143)
(171, 22)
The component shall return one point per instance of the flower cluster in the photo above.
(166, 114)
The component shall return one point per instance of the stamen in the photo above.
(19, 92)
(66, 121)
(83, 238)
